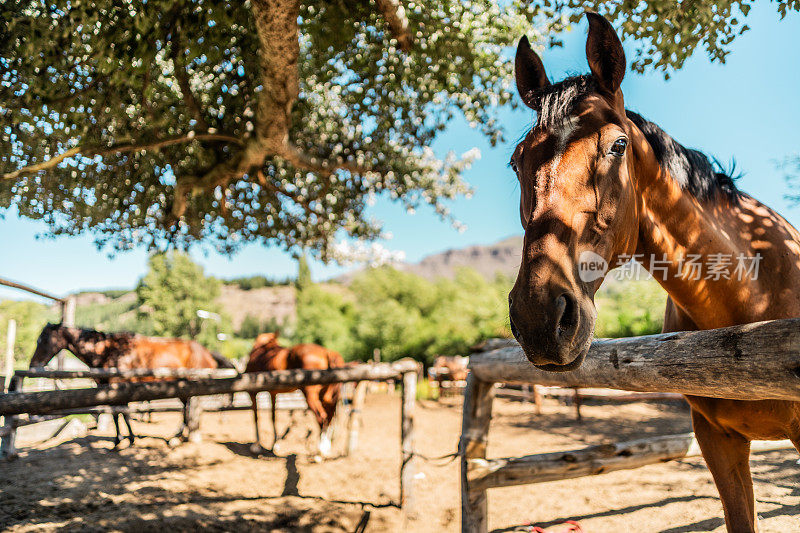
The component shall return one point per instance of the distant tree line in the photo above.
(403, 315)
(248, 283)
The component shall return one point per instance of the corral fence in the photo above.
(757, 361)
(184, 384)
(67, 306)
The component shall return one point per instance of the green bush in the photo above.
(31, 317)
(172, 292)
(629, 308)
(403, 315)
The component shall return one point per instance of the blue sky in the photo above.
(746, 109)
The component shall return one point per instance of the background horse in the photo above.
(126, 351)
(600, 182)
(268, 355)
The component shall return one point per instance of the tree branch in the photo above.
(395, 16)
(303, 161)
(89, 151)
(179, 67)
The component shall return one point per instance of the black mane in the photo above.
(691, 168)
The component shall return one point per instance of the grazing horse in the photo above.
(600, 183)
(268, 355)
(125, 351)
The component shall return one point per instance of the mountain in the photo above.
(488, 260)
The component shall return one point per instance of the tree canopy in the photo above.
(171, 293)
(163, 123)
(402, 314)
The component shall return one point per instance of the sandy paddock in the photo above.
(218, 485)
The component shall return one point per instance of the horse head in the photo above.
(578, 198)
(52, 340)
(266, 340)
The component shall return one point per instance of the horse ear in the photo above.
(529, 71)
(604, 53)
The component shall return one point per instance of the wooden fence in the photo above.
(186, 384)
(749, 362)
(67, 318)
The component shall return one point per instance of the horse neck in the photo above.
(77, 346)
(674, 226)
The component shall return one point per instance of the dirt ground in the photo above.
(218, 485)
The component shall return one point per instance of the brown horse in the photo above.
(125, 351)
(268, 355)
(447, 368)
(597, 179)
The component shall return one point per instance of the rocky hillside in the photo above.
(266, 304)
(489, 260)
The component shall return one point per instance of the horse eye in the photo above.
(618, 148)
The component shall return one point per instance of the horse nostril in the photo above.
(566, 315)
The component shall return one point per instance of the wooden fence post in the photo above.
(577, 400)
(67, 319)
(408, 458)
(354, 420)
(11, 337)
(191, 418)
(8, 448)
(537, 398)
(478, 398)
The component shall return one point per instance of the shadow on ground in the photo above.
(85, 485)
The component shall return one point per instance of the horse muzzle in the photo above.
(555, 331)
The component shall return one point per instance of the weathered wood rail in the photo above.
(749, 362)
(135, 373)
(45, 402)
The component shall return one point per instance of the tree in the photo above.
(303, 273)
(172, 292)
(327, 318)
(166, 122)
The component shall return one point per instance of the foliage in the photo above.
(251, 327)
(172, 292)
(108, 293)
(248, 283)
(303, 273)
(667, 33)
(791, 168)
(31, 317)
(119, 314)
(403, 314)
(151, 96)
(235, 348)
(149, 122)
(327, 318)
(627, 308)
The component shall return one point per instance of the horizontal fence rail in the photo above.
(756, 361)
(751, 361)
(111, 373)
(26, 288)
(46, 402)
(593, 460)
